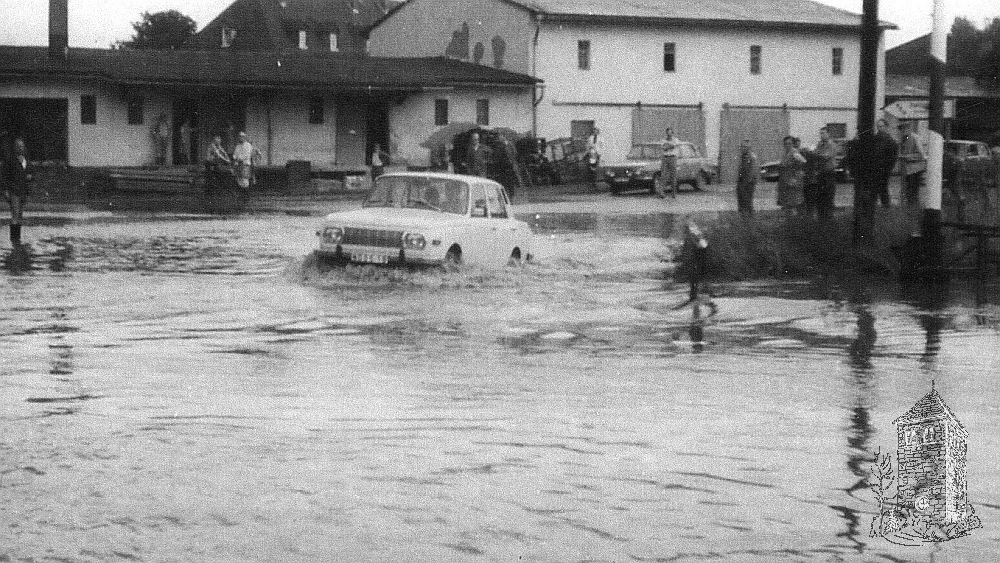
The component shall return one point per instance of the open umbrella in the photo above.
(443, 136)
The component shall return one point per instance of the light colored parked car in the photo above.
(641, 168)
(428, 218)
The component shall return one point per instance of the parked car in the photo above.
(972, 157)
(428, 218)
(641, 168)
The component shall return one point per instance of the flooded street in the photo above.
(191, 388)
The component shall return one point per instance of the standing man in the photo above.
(746, 179)
(478, 157)
(886, 151)
(826, 166)
(379, 159)
(913, 163)
(161, 138)
(15, 175)
(668, 165)
(244, 157)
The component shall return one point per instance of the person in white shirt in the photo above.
(668, 165)
(244, 155)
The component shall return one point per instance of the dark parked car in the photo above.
(641, 168)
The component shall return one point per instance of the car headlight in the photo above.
(414, 241)
(333, 235)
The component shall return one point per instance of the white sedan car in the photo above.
(428, 218)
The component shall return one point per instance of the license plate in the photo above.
(370, 258)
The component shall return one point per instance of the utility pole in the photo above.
(865, 183)
(930, 197)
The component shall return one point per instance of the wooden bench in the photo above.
(155, 179)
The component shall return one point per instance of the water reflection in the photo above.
(18, 260)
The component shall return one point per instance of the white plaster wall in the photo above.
(712, 68)
(293, 137)
(412, 121)
(424, 28)
(109, 142)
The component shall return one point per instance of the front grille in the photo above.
(373, 237)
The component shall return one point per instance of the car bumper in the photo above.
(378, 255)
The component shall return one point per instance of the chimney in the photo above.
(58, 29)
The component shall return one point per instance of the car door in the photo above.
(685, 163)
(505, 234)
(477, 238)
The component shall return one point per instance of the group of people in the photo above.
(239, 163)
(807, 178)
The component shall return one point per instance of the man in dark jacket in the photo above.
(15, 174)
(887, 151)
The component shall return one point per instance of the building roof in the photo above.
(930, 407)
(254, 69)
(262, 23)
(915, 86)
(728, 13)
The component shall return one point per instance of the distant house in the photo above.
(314, 25)
(717, 71)
(972, 106)
(97, 107)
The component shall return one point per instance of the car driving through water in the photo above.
(428, 218)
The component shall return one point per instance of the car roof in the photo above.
(441, 176)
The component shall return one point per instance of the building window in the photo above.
(440, 112)
(333, 42)
(837, 130)
(669, 57)
(755, 56)
(88, 109)
(316, 110)
(302, 39)
(838, 60)
(482, 112)
(135, 110)
(583, 54)
(228, 34)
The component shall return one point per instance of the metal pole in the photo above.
(865, 184)
(868, 84)
(930, 196)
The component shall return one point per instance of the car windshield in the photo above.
(644, 152)
(449, 196)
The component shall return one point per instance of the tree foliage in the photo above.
(161, 30)
(974, 51)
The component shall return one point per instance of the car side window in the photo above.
(478, 197)
(498, 208)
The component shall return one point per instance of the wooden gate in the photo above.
(764, 127)
(649, 122)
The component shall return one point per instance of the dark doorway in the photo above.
(378, 127)
(41, 122)
(185, 132)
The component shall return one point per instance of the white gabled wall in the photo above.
(425, 28)
(712, 68)
(411, 122)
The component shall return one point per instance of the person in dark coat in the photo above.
(746, 179)
(16, 175)
(478, 157)
(887, 151)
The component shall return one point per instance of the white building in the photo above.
(98, 107)
(717, 71)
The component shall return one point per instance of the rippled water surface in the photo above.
(194, 389)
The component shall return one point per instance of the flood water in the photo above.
(190, 388)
